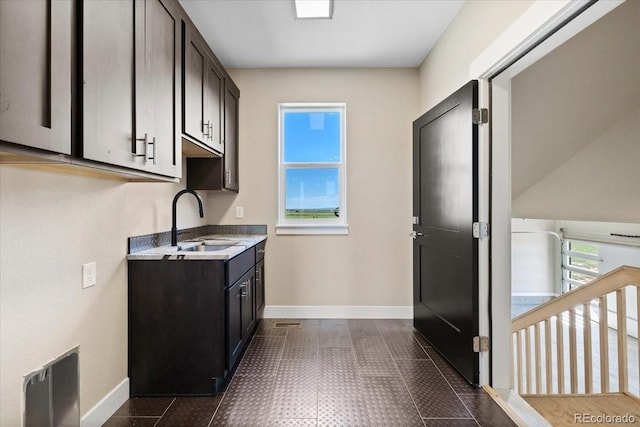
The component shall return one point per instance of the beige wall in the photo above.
(372, 265)
(599, 183)
(50, 224)
(478, 23)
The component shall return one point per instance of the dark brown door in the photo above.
(248, 286)
(445, 205)
(234, 323)
(231, 100)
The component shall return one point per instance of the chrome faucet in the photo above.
(174, 229)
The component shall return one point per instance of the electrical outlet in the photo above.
(88, 275)
(239, 212)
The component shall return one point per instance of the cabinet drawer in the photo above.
(260, 250)
(237, 266)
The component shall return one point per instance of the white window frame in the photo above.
(567, 267)
(310, 226)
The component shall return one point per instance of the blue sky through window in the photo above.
(312, 137)
(312, 189)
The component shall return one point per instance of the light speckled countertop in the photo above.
(219, 247)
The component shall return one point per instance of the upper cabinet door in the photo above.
(130, 66)
(193, 122)
(157, 93)
(203, 86)
(213, 106)
(231, 103)
(107, 83)
(35, 74)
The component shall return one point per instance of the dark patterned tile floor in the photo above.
(330, 373)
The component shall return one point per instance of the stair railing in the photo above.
(541, 364)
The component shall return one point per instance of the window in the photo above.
(312, 176)
(580, 263)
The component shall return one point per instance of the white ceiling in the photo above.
(362, 33)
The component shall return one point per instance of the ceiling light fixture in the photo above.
(313, 9)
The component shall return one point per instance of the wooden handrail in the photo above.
(545, 326)
(609, 282)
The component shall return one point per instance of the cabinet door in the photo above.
(248, 311)
(213, 118)
(157, 93)
(194, 76)
(259, 289)
(35, 74)
(130, 62)
(234, 323)
(107, 83)
(231, 101)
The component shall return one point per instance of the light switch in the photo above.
(239, 211)
(88, 275)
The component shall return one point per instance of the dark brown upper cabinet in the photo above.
(220, 173)
(231, 105)
(35, 74)
(203, 84)
(131, 64)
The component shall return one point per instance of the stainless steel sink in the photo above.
(205, 248)
(218, 242)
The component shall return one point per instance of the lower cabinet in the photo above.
(259, 281)
(241, 318)
(189, 322)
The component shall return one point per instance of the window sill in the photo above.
(312, 229)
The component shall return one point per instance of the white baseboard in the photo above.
(338, 312)
(103, 410)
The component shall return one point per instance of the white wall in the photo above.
(535, 258)
(372, 265)
(477, 24)
(50, 224)
(599, 183)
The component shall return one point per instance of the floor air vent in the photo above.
(52, 394)
(287, 325)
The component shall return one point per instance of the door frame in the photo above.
(529, 38)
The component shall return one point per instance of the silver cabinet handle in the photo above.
(206, 130)
(135, 146)
(211, 131)
(245, 289)
(153, 142)
(147, 143)
(260, 251)
(415, 234)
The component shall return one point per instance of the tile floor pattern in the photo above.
(330, 373)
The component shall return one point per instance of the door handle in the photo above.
(415, 234)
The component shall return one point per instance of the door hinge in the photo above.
(480, 116)
(480, 344)
(416, 220)
(480, 230)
